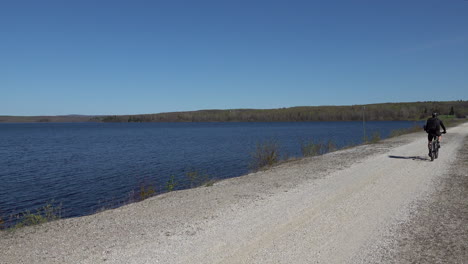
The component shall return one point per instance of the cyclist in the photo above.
(432, 128)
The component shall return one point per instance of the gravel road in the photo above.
(383, 202)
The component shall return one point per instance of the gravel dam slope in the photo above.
(348, 206)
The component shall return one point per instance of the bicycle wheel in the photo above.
(436, 152)
(433, 150)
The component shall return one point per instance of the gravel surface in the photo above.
(436, 231)
(353, 205)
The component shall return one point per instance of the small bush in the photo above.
(193, 177)
(311, 148)
(30, 219)
(331, 146)
(396, 133)
(266, 154)
(146, 191)
(210, 182)
(171, 184)
(197, 178)
(47, 213)
(375, 137)
(365, 139)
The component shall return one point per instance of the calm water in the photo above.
(85, 165)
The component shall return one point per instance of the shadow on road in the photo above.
(410, 157)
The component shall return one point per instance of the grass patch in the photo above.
(312, 148)
(147, 188)
(171, 184)
(197, 178)
(193, 177)
(375, 137)
(265, 155)
(210, 182)
(331, 146)
(51, 211)
(146, 191)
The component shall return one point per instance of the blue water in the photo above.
(85, 165)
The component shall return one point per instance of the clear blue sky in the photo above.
(129, 57)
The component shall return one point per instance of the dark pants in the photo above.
(432, 135)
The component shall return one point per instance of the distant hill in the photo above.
(52, 119)
(372, 112)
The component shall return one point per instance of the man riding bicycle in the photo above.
(432, 128)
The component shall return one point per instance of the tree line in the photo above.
(371, 112)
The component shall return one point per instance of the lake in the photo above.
(86, 166)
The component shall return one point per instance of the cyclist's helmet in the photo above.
(435, 114)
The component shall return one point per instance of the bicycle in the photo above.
(434, 147)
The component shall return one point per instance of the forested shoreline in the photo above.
(370, 112)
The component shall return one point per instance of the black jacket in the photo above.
(434, 124)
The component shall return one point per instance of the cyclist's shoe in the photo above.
(438, 145)
(429, 153)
